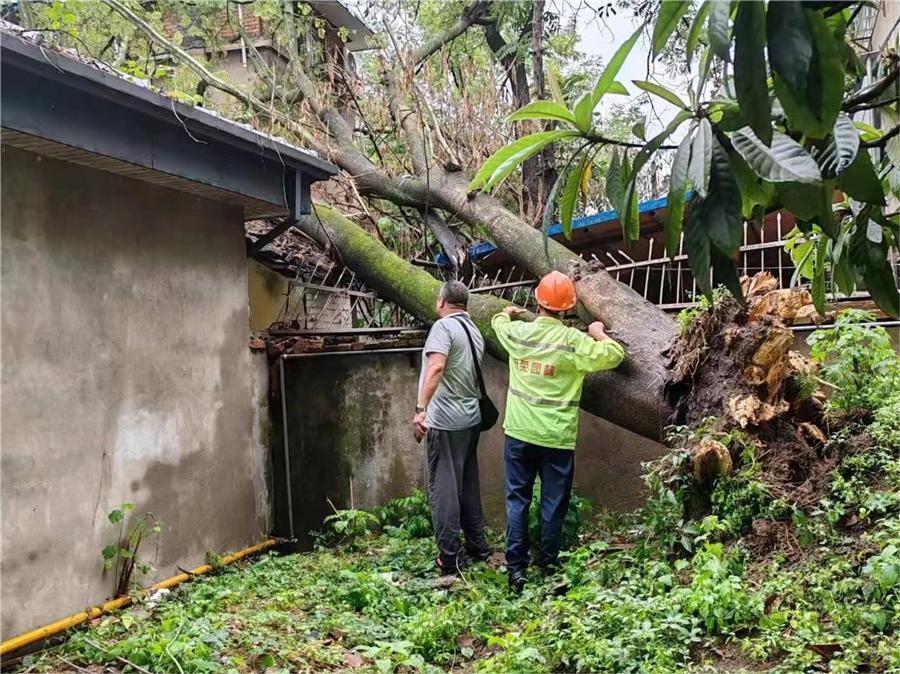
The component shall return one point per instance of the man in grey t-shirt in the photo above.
(447, 416)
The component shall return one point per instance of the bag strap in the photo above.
(474, 354)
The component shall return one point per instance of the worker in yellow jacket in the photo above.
(547, 365)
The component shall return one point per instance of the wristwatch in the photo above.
(420, 409)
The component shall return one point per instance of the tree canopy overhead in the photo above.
(779, 133)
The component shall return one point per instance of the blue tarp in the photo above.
(480, 250)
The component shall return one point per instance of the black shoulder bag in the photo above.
(489, 413)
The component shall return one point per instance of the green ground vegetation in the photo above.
(758, 582)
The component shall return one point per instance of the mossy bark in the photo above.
(630, 396)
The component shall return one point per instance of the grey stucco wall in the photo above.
(349, 419)
(126, 378)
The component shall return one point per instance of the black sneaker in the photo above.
(517, 580)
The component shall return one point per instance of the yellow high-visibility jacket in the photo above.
(547, 364)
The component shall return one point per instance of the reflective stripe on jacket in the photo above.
(547, 364)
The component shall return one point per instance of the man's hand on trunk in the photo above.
(598, 331)
(514, 312)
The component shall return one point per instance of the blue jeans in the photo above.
(524, 461)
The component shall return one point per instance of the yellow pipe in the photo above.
(47, 631)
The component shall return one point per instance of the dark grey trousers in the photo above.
(454, 494)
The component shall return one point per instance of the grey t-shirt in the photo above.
(454, 405)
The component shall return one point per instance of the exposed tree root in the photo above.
(733, 368)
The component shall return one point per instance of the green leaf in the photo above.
(670, 13)
(806, 63)
(626, 169)
(584, 113)
(694, 33)
(883, 288)
(726, 115)
(750, 67)
(631, 222)
(725, 273)
(784, 161)
(544, 110)
(719, 31)
(715, 227)
(570, 194)
(618, 89)
(504, 160)
(701, 154)
(799, 198)
(754, 191)
(116, 516)
(720, 211)
(109, 552)
(791, 45)
(584, 109)
(860, 181)
(703, 71)
(662, 92)
(640, 130)
(678, 185)
(800, 248)
(615, 189)
(696, 245)
(867, 131)
(841, 149)
(553, 84)
(266, 661)
(843, 275)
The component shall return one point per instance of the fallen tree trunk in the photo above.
(630, 396)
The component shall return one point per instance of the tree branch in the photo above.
(473, 15)
(450, 242)
(875, 89)
(598, 138)
(874, 104)
(881, 142)
(201, 71)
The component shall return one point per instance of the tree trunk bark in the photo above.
(630, 396)
(545, 168)
(534, 192)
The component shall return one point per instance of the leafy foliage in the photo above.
(859, 360)
(780, 134)
(653, 591)
(122, 557)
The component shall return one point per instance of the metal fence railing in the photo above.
(667, 281)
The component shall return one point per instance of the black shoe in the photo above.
(447, 569)
(517, 580)
(478, 556)
(549, 570)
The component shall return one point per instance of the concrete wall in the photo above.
(126, 378)
(349, 418)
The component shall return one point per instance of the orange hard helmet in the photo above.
(556, 292)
